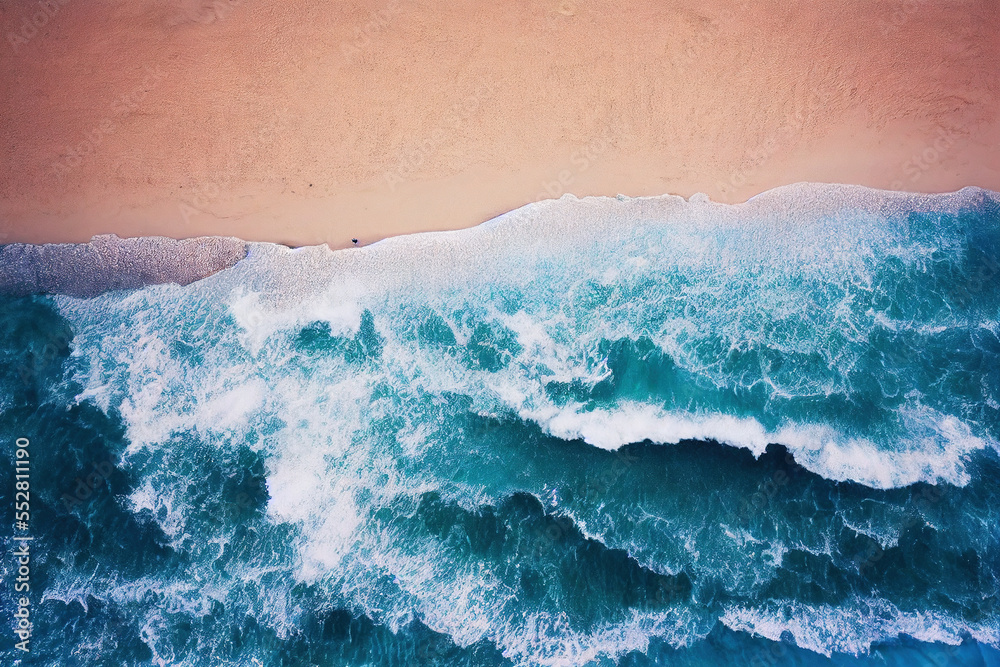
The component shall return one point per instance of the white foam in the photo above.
(330, 469)
(854, 627)
(820, 448)
(466, 601)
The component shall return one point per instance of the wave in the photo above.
(866, 344)
(461, 435)
(853, 629)
(819, 448)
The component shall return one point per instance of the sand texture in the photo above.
(310, 122)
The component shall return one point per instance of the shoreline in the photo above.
(108, 262)
(302, 125)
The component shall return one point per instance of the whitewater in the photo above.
(600, 431)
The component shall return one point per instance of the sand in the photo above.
(312, 122)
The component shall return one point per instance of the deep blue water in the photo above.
(637, 432)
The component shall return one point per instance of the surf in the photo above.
(589, 430)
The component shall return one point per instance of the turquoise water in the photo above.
(636, 432)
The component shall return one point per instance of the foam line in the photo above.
(109, 263)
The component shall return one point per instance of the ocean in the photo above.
(600, 431)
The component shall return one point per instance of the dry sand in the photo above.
(304, 122)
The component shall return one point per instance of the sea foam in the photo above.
(435, 416)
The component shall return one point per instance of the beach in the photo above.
(301, 123)
(557, 333)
